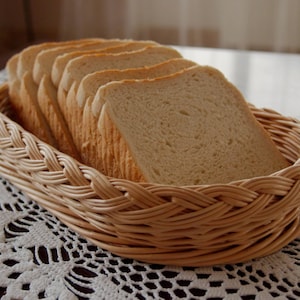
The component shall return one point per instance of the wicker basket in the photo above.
(188, 226)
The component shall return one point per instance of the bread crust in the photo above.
(22, 88)
(67, 100)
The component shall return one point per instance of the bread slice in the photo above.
(62, 60)
(66, 96)
(49, 110)
(88, 110)
(19, 66)
(29, 114)
(12, 67)
(190, 128)
(25, 109)
(47, 92)
(14, 83)
(45, 58)
(77, 68)
(44, 61)
(22, 62)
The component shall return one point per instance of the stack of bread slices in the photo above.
(140, 111)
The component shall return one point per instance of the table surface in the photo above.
(41, 258)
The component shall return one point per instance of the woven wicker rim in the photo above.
(187, 226)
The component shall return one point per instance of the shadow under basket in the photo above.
(185, 226)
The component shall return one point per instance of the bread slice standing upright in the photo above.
(189, 128)
(90, 107)
(68, 98)
(47, 92)
(77, 68)
(23, 89)
(46, 96)
(13, 80)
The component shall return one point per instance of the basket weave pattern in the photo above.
(188, 226)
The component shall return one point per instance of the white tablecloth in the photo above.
(40, 258)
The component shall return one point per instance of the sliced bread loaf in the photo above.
(19, 66)
(44, 60)
(62, 60)
(48, 94)
(87, 114)
(77, 68)
(190, 128)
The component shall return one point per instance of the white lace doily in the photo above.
(41, 258)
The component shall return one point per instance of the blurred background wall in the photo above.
(266, 25)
